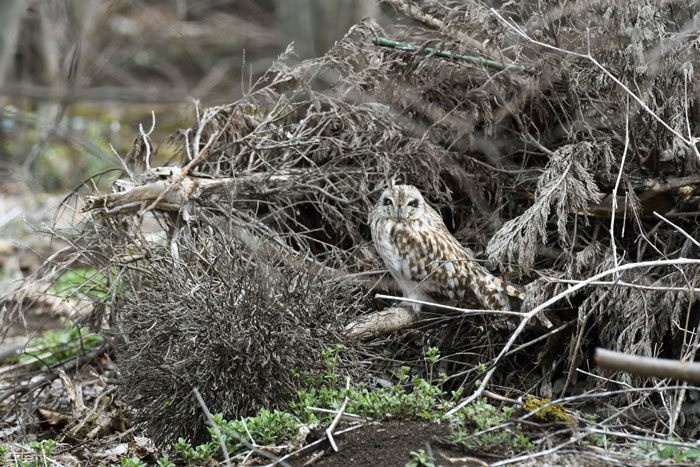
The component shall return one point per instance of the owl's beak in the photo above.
(398, 213)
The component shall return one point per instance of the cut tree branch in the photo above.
(648, 366)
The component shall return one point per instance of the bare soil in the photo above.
(390, 443)
(386, 443)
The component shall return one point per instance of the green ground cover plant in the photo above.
(411, 398)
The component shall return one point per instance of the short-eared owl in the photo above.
(426, 260)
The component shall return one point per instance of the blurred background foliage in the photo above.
(78, 77)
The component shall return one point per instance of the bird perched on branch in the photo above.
(426, 260)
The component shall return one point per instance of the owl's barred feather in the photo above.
(426, 260)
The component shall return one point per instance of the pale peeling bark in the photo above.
(171, 188)
(381, 323)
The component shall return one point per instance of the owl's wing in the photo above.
(440, 264)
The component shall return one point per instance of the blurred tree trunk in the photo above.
(58, 35)
(315, 25)
(11, 12)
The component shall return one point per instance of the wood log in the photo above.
(648, 366)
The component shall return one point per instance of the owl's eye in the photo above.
(387, 202)
(413, 203)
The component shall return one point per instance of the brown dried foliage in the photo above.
(521, 165)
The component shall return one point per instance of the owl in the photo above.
(426, 260)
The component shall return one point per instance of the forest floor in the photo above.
(91, 426)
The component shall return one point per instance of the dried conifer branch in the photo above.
(690, 142)
(556, 298)
(566, 184)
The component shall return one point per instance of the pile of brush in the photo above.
(557, 141)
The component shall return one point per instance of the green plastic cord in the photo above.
(383, 41)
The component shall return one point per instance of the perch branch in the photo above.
(193, 187)
(381, 323)
(184, 171)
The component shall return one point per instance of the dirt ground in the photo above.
(390, 443)
(386, 443)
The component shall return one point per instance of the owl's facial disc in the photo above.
(401, 203)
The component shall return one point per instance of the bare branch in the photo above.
(551, 301)
(648, 366)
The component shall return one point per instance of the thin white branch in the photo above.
(627, 284)
(564, 400)
(649, 439)
(613, 246)
(121, 161)
(677, 228)
(303, 448)
(187, 144)
(245, 427)
(213, 424)
(338, 416)
(685, 357)
(242, 440)
(545, 452)
(528, 316)
(146, 139)
(466, 311)
(685, 107)
(602, 378)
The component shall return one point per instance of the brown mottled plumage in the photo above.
(426, 260)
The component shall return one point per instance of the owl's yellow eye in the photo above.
(388, 202)
(413, 203)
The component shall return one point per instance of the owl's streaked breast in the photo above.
(382, 233)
